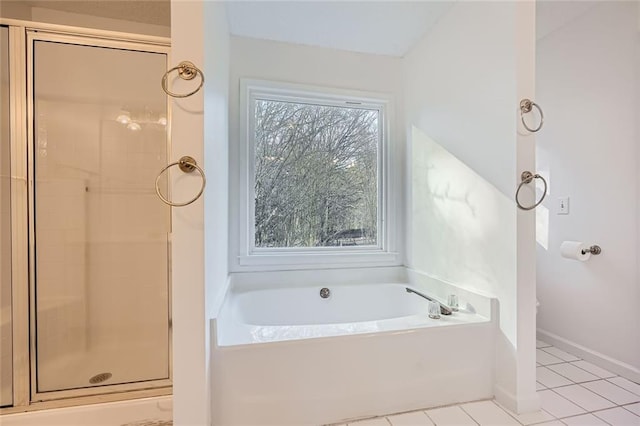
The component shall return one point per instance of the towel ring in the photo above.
(528, 177)
(187, 164)
(186, 71)
(526, 105)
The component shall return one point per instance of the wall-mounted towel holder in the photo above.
(525, 178)
(186, 71)
(526, 106)
(187, 165)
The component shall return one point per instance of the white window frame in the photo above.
(250, 257)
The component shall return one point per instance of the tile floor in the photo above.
(572, 391)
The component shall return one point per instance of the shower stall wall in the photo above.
(95, 286)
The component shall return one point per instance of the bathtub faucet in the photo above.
(444, 309)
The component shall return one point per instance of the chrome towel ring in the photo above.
(187, 164)
(186, 71)
(526, 178)
(526, 105)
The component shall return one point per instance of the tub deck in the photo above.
(231, 332)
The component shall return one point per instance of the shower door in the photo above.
(100, 250)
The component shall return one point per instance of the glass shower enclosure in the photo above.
(101, 278)
(101, 249)
(94, 299)
(6, 335)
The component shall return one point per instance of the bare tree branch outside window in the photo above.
(315, 175)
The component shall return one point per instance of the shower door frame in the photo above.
(22, 36)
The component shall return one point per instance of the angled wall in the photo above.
(463, 81)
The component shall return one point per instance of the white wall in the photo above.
(39, 14)
(199, 260)
(190, 326)
(15, 10)
(216, 152)
(314, 66)
(462, 82)
(587, 83)
(18, 10)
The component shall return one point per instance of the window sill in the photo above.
(317, 260)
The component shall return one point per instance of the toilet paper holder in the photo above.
(594, 249)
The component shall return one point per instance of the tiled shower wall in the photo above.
(64, 169)
(128, 251)
(102, 290)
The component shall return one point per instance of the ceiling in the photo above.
(377, 27)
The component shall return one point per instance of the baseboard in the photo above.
(516, 405)
(505, 398)
(615, 366)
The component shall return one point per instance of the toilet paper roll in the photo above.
(574, 250)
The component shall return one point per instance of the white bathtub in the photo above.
(285, 356)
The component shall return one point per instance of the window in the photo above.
(315, 168)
